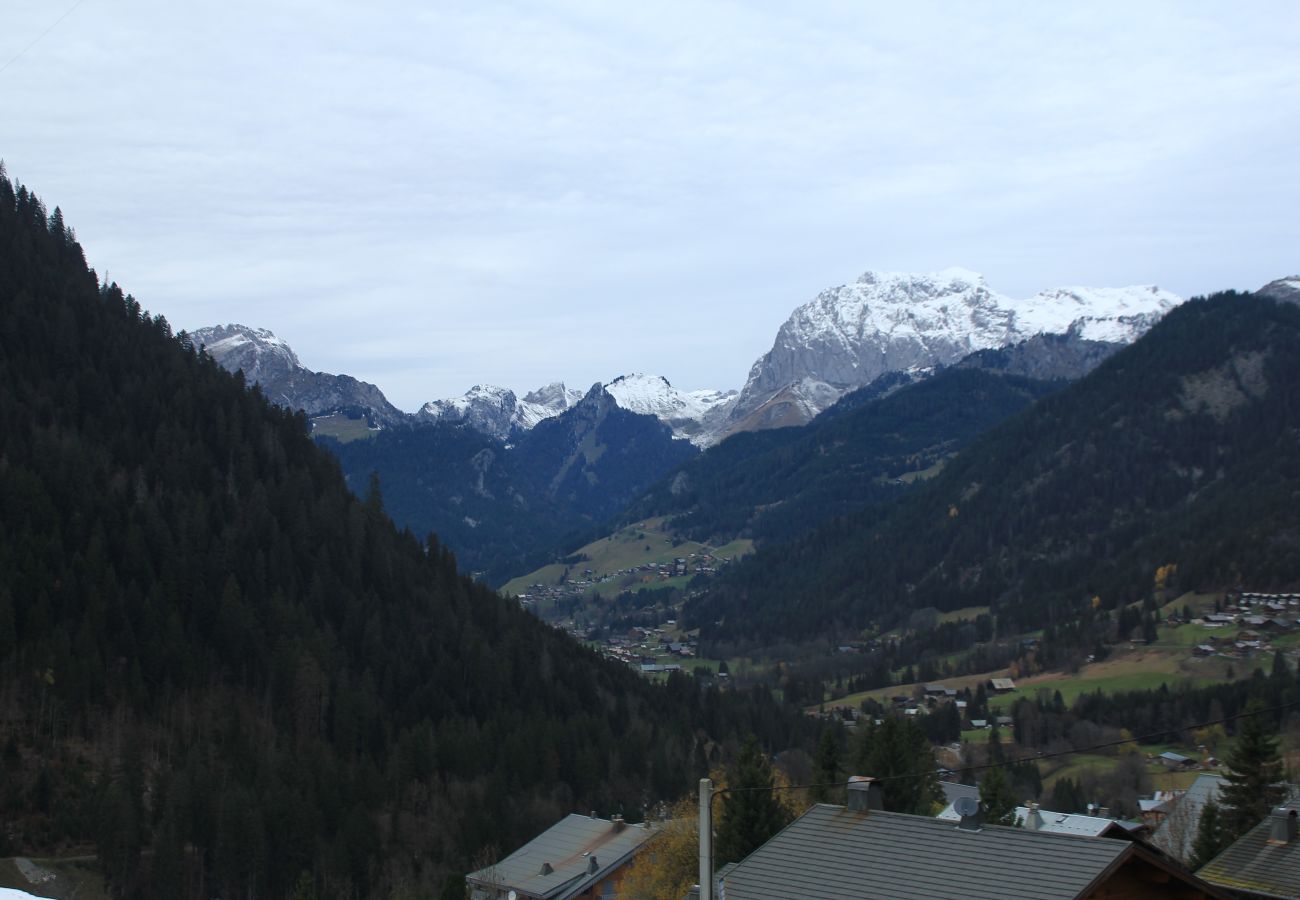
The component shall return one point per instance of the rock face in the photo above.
(497, 411)
(269, 362)
(847, 336)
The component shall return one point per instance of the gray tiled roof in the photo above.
(566, 846)
(1257, 867)
(831, 853)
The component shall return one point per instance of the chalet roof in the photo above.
(1002, 684)
(567, 848)
(833, 853)
(1258, 866)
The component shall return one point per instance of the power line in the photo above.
(38, 37)
(1059, 753)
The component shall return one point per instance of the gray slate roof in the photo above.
(567, 846)
(1257, 867)
(831, 853)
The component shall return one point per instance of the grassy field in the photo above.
(75, 878)
(643, 543)
(341, 428)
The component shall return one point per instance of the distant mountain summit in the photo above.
(890, 321)
(497, 411)
(1287, 289)
(686, 412)
(269, 362)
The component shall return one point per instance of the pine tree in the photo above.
(751, 811)
(1255, 777)
(998, 799)
(826, 770)
(898, 752)
(1211, 838)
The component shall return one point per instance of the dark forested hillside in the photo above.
(775, 484)
(507, 509)
(1179, 449)
(234, 678)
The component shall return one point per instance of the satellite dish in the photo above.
(966, 806)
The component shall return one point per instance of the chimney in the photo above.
(618, 823)
(1033, 819)
(592, 865)
(1282, 826)
(864, 794)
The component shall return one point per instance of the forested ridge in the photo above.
(779, 483)
(1178, 450)
(228, 674)
(507, 510)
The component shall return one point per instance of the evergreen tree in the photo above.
(898, 753)
(826, 769)
(1255, 777)
(1211, 836)
(997, 797)
(751, 811)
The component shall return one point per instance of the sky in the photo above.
(429, 196)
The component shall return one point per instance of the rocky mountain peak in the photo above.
(847, 336)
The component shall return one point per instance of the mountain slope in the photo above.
(775, 484)
(1179, 449)
(247, 681)
(270, 363)
(887, 321)
(504, 509)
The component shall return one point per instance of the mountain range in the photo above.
(842, 339)
(1178, 450)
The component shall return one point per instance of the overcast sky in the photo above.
(432, 195)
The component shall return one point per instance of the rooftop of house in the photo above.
(565, 859)
(1053, 822)
(1264, 862)
(834, 852)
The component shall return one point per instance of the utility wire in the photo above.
(38, 37)
(1012, 762)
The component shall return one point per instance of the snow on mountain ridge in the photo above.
(895, 321)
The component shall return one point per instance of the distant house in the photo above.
(1000, 685)
(1264, 862)
(1049, 822)
(935, 690)
(578, 857)
(860, 851)
(1173, 760)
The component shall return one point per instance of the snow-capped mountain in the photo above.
(686, 412)
(890, 321)
(498, 411)
(269, 362)
(1287, 289)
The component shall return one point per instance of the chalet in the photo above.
(860, 851)
(935, 690)
(578, 857)
(1203, 650)
(1000, 685)
(1264, 862)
